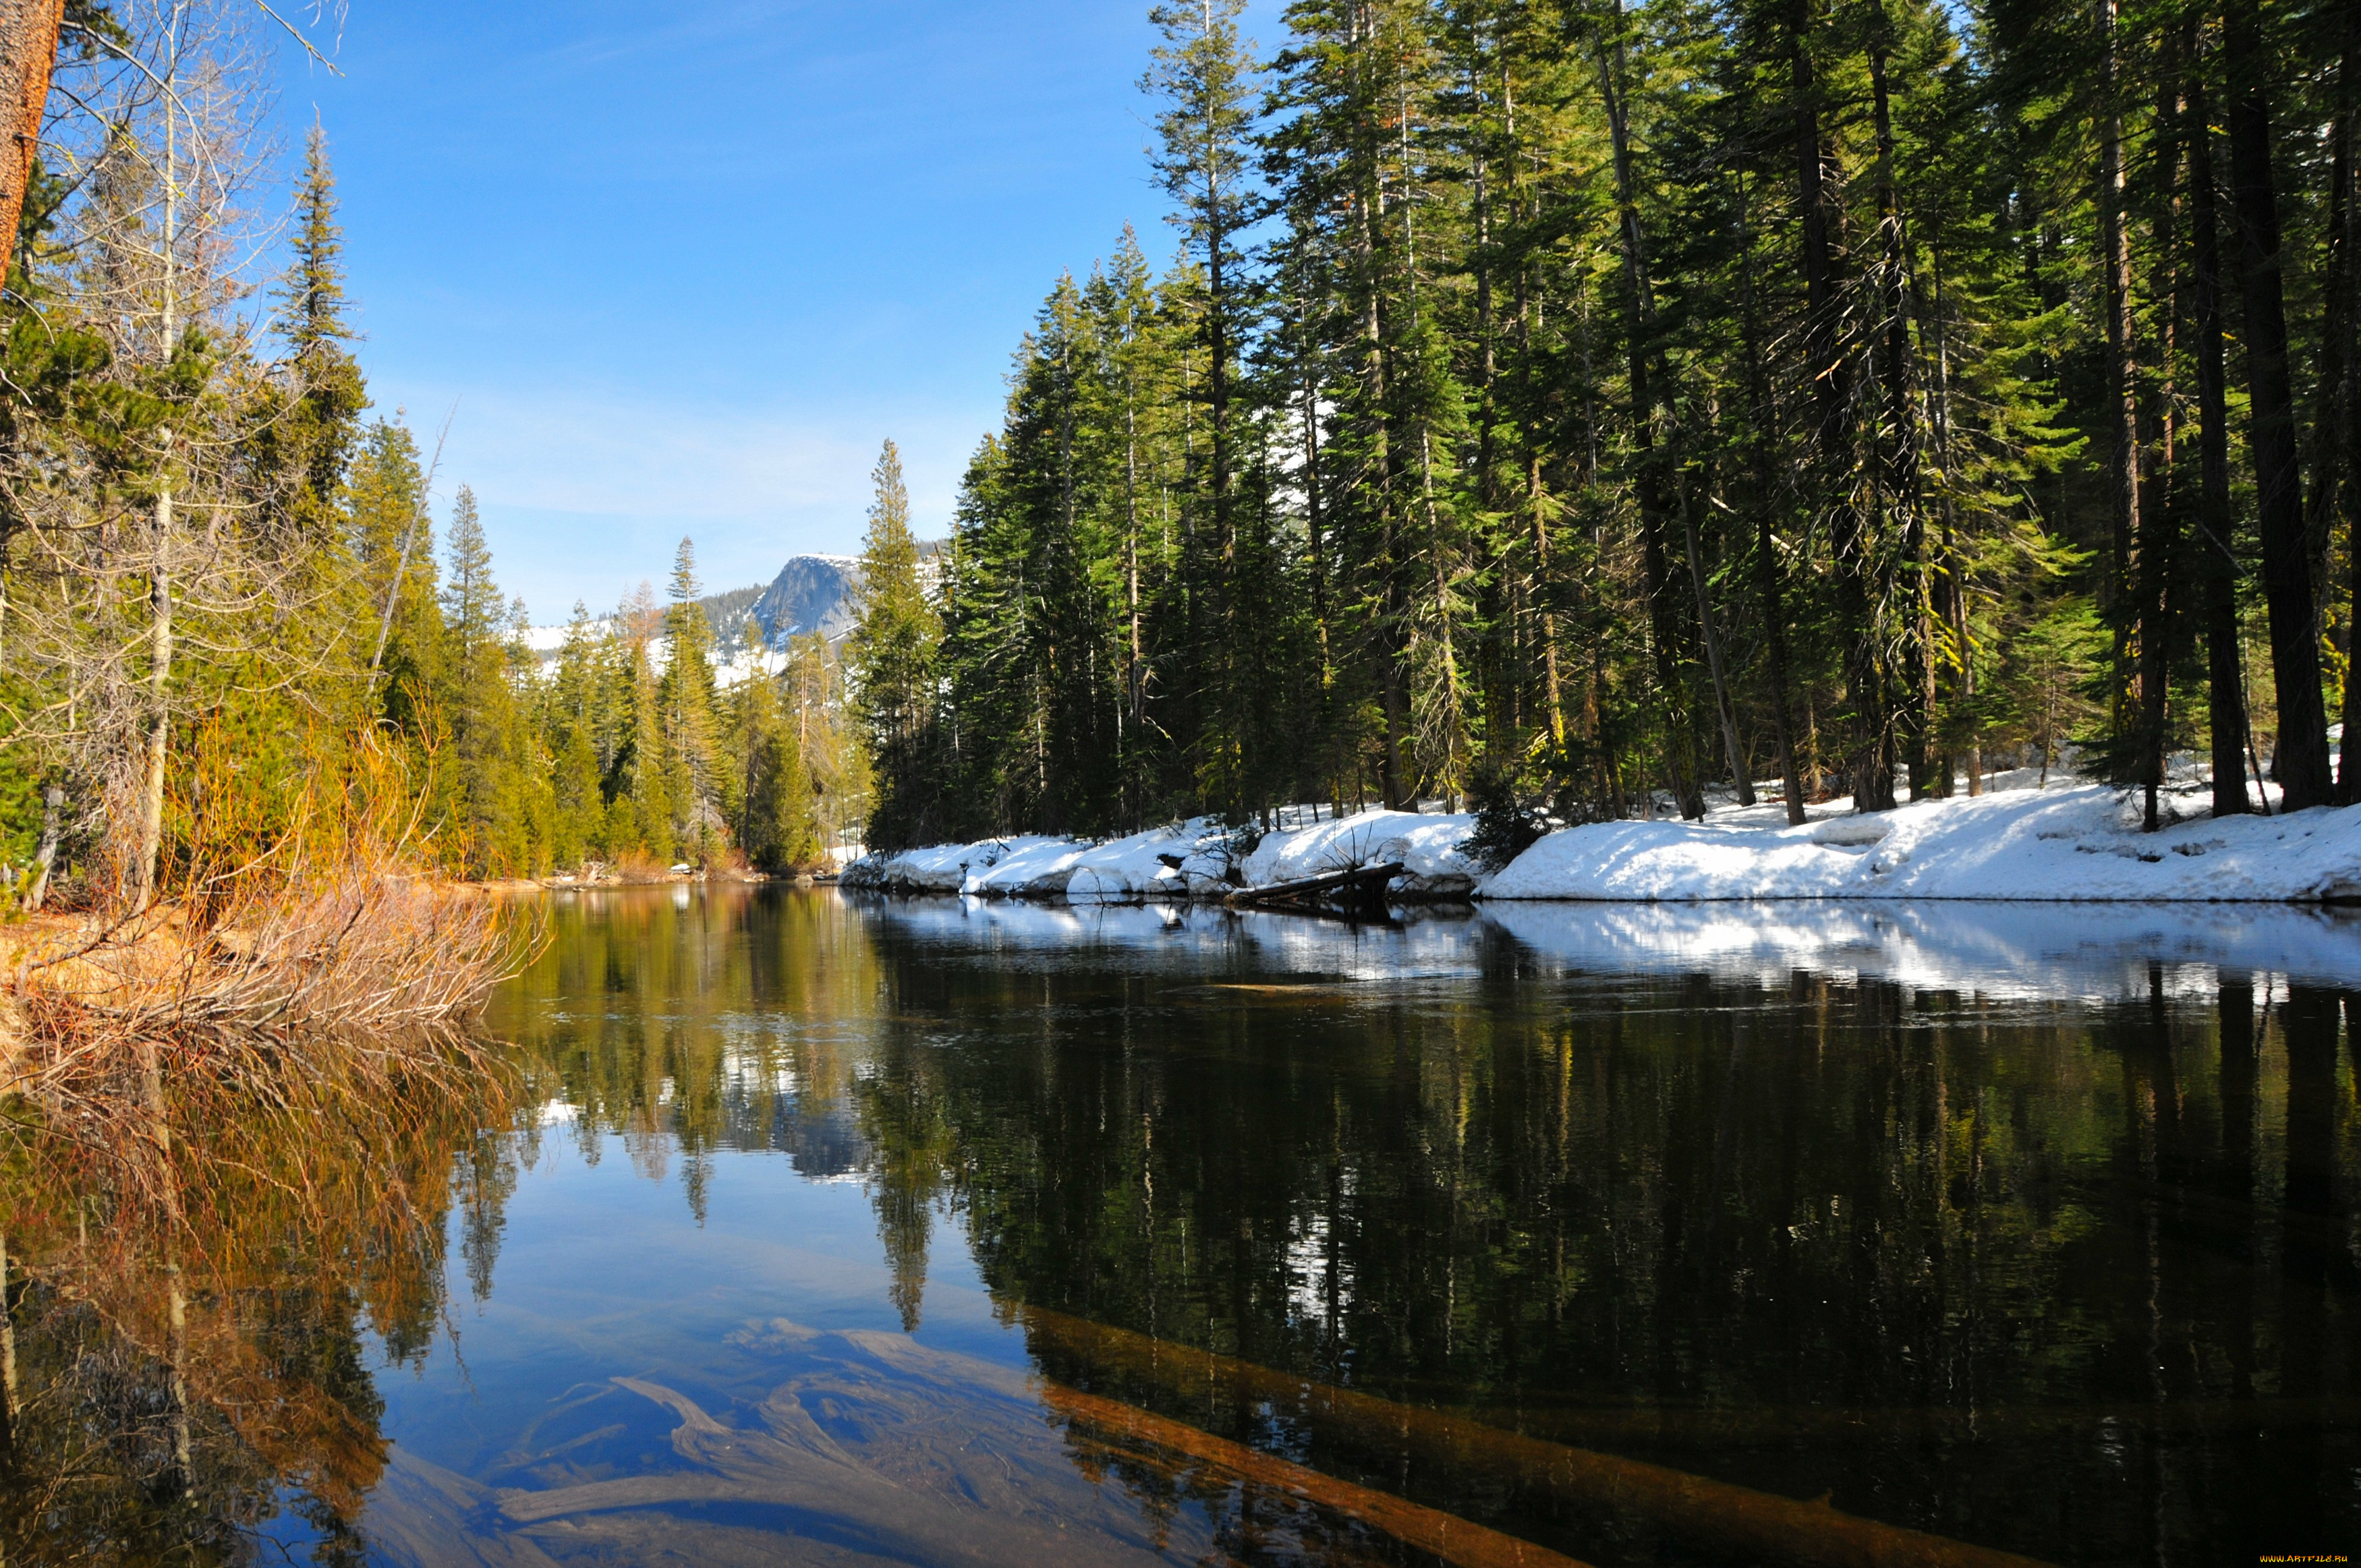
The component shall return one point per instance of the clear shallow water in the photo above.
(930, 1231)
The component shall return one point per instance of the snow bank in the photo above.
(1428, 846)
(1192, 858)
(938, 868)
(2076, 842)
(1030, 868)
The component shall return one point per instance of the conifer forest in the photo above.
(233, 626)
(1576, 406)
(1539, 404)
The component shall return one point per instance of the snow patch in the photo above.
(2069, 842)
(1182, 860)
(1429, 844)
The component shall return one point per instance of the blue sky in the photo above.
(683, 274)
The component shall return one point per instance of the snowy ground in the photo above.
(2067, 842)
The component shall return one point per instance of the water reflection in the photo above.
(189, 1319)
(2021, 1226)
(1634, 1232)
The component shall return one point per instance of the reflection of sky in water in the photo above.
(636, 1387)
(705, 1362)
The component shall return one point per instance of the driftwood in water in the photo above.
(1360, 891)
(1714, 1517)
(1448, 1536)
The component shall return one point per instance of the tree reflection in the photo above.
(2074, 1279)
(1985, 1270)
(188, 1316)
(728, 1020)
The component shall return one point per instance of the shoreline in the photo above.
(2070, 842)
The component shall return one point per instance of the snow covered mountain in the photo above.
(751, 626)
(811, 593)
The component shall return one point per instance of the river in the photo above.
(821, 1230)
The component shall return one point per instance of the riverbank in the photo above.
(2067, 842)
(101, 1010)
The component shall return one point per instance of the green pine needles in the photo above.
(1605, 410)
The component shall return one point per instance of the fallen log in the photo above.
(1356, 890)
(1448, 1536)
(1718, 1517)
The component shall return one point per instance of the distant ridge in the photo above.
(811, 593)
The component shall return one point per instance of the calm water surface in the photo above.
(846, 1232)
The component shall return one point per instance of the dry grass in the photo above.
(357, 989)
(303, 972)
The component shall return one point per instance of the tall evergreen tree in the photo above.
(892, 651)
(685, 699)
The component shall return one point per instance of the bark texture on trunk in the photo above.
(1655, 484)
(1870, 763)
(28, 53)
(2225, 702)
(2278, 475)
(2123, 394)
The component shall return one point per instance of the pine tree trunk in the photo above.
(1315, 535)
(1734, 754)
(29, 54)
(2226, 680)
(2159, 534)
(2336, 471)
(2115, 268)
(1900, 478)
(1950, 588)
(1869, 766)
(1552, 694)
(1766, 557)
(1639, 313)
(2286, 559)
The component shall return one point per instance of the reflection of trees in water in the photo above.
(733, 1021)
(186, 1337)
(2008, 1273)
(742, 1020)
(1734, 1214)
(902, 1115)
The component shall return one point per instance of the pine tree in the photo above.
(645, 822)
(572, 700)
(892, 653)
(685, 699)
(775, 823)
(320, 430)
(477, 701)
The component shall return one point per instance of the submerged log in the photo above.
(1360, 891)
(1715, 1517)
(1447, 1536)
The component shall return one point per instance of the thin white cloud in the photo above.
(585, 492)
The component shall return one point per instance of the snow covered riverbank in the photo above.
(2074, 842)
(2067, 842)
(1198, 859)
